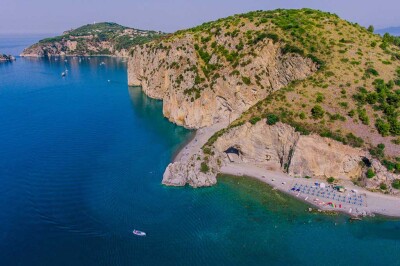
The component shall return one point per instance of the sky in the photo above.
(55, 16)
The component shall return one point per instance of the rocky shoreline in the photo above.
(227, 83)
(184, 170)
(6, 58)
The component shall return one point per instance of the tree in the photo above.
(370, 173)
(317, 112)
(204, 168)
(396, 184)
(382, 127)
(272, 119)
(371, 28)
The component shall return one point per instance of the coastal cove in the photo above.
(82, 161)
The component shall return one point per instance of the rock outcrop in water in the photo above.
(6, 58)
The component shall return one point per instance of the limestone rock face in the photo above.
(280, 147)
(259, 144)
(188, 172)
(171, 71)
(323, 157)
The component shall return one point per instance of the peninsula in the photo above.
(292, 97)
(104, 38)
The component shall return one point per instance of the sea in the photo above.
(81, 164)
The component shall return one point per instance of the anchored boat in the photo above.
(138, 233)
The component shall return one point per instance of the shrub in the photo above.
(396, 184)
(204, 168)
(378, 151)
(246, 80)
(370, 173)
(272, 119)
(273, 37)
(371, 71)
(320, 98)
(383, 186)
(307, 176)
(317, 112)
(382, 127)
(362, 115)
(331, 180)
(207, 150)
(292, 49)
(254, 120)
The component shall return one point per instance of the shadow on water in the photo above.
(149, 109)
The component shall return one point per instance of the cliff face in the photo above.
(232, 71)
(280, 147)
(170, 72)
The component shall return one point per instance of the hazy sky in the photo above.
(55, 16)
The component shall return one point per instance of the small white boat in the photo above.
(63, 74)
(102, 64)
(138, 233)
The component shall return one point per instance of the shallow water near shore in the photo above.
(81, 163)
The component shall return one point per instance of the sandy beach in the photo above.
(362, 201)
(201, 136)
(372, 203)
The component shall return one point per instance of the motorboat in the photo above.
(138, 233)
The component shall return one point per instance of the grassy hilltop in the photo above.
(354, 97)
(103, 38)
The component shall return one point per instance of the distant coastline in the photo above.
(391, 30)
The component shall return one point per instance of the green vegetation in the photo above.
(204, 168)
(383, 186)
(272, 119)
(370, 173)
(353, 97)
(396, 184)
(371, 29)
(119, 36)
(254, 120)
(330, 180)
(317, 112)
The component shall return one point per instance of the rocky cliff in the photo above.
(278, 148)
(174, 73)
(311, 70)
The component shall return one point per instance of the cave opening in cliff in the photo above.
(233, 150)
(233, 154)
(366, 161)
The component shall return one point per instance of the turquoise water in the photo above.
(81, 163)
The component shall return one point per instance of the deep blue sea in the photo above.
(81, 163)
